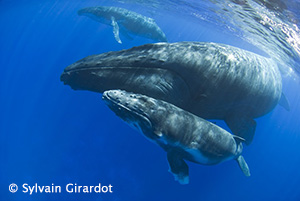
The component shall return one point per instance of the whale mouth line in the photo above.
(83, 68)
(67, 73)
(93, 70)
(71, 70)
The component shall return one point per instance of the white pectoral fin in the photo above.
(178, 168)
(116, 30)
(243, 165)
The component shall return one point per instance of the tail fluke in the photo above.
(178, 168)
(242, 126)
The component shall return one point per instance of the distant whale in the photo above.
(210, 80)
(181, 134)
(125, 21)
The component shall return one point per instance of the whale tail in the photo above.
(243, 165)
(242, 126)
(178, 168)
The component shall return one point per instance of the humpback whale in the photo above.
(181, 134)
(125, 21)
(210, 80)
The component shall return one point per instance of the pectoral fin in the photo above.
(178, 168)
(243, 165)
(283, 102)
(242, 126)
(116, 30)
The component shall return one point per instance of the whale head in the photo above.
(157, 34)
(134, 109)
(127, 70)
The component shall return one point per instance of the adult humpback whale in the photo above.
(210, 80)
(124, 21)
(181, 134)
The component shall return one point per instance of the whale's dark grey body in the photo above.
(181, 134)
(210, 80)
(124, 21)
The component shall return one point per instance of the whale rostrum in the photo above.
(210, 80)
(182, 135)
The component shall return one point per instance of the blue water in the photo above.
(50, 133)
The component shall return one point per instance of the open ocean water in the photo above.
(53, 135)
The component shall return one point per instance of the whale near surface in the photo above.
(181, 134)
(125, 21)
(210, 80)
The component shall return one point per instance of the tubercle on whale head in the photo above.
(130, 108)
(86, 74)
(134, 103)
(80, 80)
(65, 77)
(107, 71)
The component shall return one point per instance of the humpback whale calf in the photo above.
(181, 134)
(123, 21)
(210, 80)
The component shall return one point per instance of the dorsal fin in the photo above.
(283, 102)
(238, 138)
